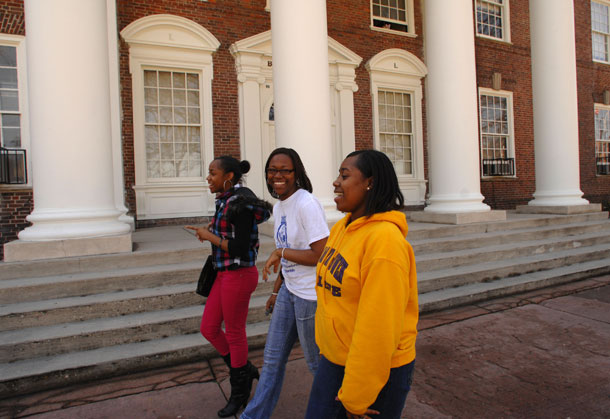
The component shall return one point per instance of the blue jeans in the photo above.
(328, 380)
(292, 317)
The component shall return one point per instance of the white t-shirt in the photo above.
(299, 221)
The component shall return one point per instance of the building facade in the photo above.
(112, 110)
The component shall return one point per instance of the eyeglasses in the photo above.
(283, 172)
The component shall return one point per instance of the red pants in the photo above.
(228, 302)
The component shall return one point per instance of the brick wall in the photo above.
(592, 78)
(512, 61)
(15, 203)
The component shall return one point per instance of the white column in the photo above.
(347, 143)
(250, 128)
(301, 89)
(453, 139)
(555, 104)
(115, 114)
(67, 48)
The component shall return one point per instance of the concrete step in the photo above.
(452, 259)
(481, 291)
(95, 333)
(183, 252)
(476, 240)
(112, 279)
(75, 309)
(33, 375)
(490, 271)
(514, 221)
(88, 318)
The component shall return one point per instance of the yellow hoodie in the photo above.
(367, 312)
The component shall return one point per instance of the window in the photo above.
(397, 93)
(172, 124)
(396, 129)
(492, 19)
(497, 143)
(172, 115)
(600, 28)
(13, 111)
(392, 16)
(602, 139)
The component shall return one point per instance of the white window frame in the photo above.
(505, 20)
(511, 127)
(172, 43)
(400, 71)
(19, 43)
(597, 107)
(410, 21)
(606, 36)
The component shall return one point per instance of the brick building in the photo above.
(120, 105)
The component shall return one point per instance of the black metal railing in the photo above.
(498, 167)
(603, 165)
(13, 168)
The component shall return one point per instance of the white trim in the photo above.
(399, 70)
(511, 127)
(505, 23)
(167, 42)
(19, 43)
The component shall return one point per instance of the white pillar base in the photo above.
(457, 204)
(19, 250)
(559, 209)
(561, 198)
(63, 224)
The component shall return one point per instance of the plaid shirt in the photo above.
(231, 204)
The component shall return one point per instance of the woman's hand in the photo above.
(351, 415)
(270, 303)
(202, 233)
(274, 260)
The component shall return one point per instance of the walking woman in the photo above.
(233, 234)
(367, 297)
(300, 234)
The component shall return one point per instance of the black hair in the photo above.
(385, 194)
(230, 164)
(300, 175)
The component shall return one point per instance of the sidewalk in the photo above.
(544, 354)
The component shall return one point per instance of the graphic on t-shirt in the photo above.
(281, 238)
(282, 233)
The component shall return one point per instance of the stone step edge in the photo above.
(595, 251)
(16, 270)
(28, 376)
(51, 372)
(89, 328)
(473, 293)
(512, 245)
(111, 297)
(435, 230)
(194, 266)
(514, 235)
(263, 288)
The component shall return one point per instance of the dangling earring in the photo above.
(224, 186)
(298, 183)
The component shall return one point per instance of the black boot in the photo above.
(252, 374)
(227, 359)
(240, 393)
